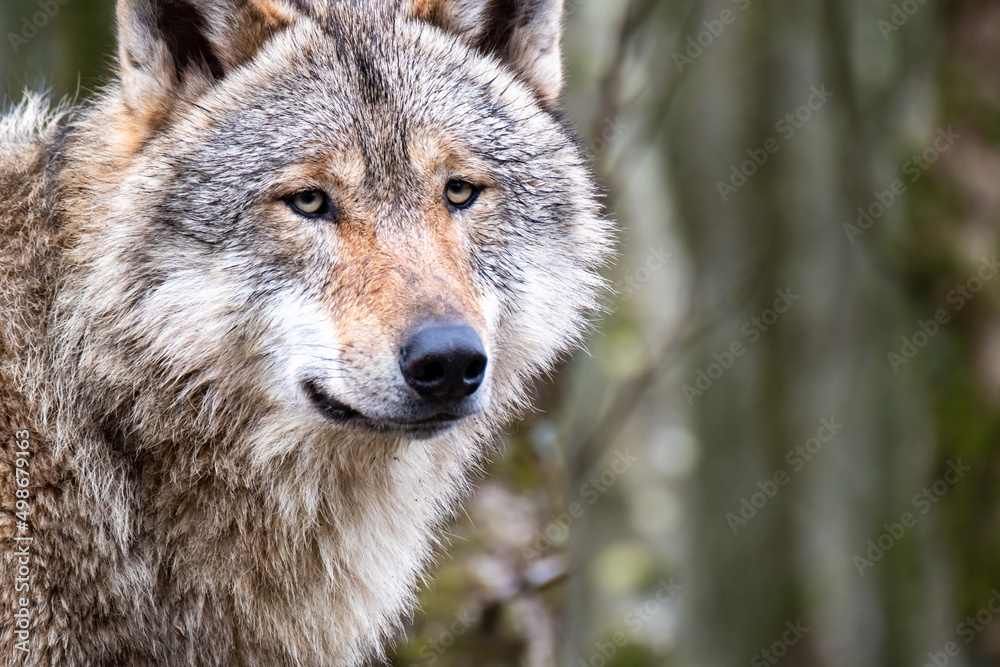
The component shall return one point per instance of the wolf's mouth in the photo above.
(330, 407)
(341, 413)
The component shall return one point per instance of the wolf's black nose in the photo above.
(444, 362)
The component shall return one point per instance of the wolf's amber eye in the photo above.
(461, 194)
(311, 203)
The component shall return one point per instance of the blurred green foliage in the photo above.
(70, 54)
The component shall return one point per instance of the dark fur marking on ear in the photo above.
(500, 20)
(182, 27)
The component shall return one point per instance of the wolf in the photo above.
(264, 304)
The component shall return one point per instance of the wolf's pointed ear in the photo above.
(524, 34)
(172, 47)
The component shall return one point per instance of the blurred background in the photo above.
(779, 448)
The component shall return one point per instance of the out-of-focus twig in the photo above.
(538, 630)
(628, 397)
(609, 99)
(610, 103)
(626, 400)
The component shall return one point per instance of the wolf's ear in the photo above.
(170, 47)
(524, 34)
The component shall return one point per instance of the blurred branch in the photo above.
(637, 17)
(538, 630)
(627, 399)
(609, 99)
(630, 394)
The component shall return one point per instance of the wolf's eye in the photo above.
(311, 203)
(461, 194)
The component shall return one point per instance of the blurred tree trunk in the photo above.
(954, 226)
(796, 108)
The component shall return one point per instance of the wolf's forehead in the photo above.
(377, 84)
(390, 106)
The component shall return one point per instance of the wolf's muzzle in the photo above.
(444, 362)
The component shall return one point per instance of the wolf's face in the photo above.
(365, 216)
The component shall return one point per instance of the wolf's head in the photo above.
(360, 218)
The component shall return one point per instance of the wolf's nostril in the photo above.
(429, 372)
(444, 362)
(475, 369)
